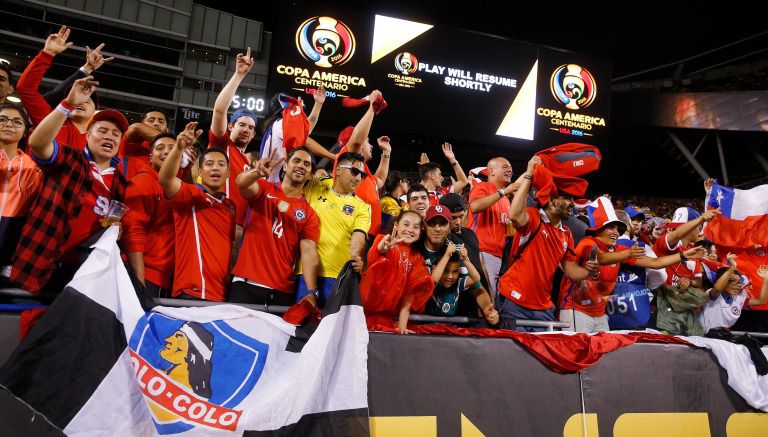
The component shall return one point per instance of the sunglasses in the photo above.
(355, 171)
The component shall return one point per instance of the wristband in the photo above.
(315, 292)
(527, 176)
(453, 163)
(683, 258)
(61, 108)
(85, 72)
(501, 193)
(67, 106)
(385, 156)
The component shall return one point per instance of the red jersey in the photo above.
(94, 205)
(148, 227)
(528, 281)
(434, 196)
(490, 225)
(675, 272)
(204, 227)
(368, 192)
(238, 163)
(590, 296)
(273, 229)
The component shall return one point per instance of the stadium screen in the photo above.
(440, 81)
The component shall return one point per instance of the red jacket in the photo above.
(149, 227)
(28, 88)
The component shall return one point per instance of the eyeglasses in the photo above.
(16, 122)
(355, 171)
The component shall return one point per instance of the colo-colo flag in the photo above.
(98, 363)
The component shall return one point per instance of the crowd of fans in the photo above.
(220, 225)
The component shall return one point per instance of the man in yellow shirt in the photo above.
(344, 223)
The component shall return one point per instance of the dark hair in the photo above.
(414, 189)
(7, 68)
(210, 150)
(350, 156)
(275, 112)
(393, 180)
(159, 137)
(281, 173)
(148, 110)
(20, 109)
(723, 270)
(426, 169)
(706, 244)
(199, 367)
(454, 258)
(302, 149)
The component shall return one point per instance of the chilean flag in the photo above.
(744, 220)
(742, 228)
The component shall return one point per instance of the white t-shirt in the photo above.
(718, 313)
(275, 141)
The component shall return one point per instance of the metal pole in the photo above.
(691, 159)
(722, 159)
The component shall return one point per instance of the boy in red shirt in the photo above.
(148, 236)
(204, 221)
(280, 226)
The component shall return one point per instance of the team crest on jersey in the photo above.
(300, 215)
(194, 375)
(348, 209)
(283, 206)
(736, 312)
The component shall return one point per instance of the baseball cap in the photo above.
(682, 215)
(438, 211)
(116, 117)
(634, 211)
(454, 202)
(242, 113)
(345, 135)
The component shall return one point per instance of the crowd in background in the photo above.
(495, 243)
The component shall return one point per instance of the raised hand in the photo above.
(244, 62)
(710, 214)
(731, 260)
(448, 152)
(388, 242)
(266, 166)
(188, 136)
(372, 96)
(57, 42)
(384, 145)
(423, 159)
(762, 272)
(533, 163)
(450, 248)
(708, 184)
(81, 91)
(94, 59)
(319, 95)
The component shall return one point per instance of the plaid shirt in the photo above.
(67, 173)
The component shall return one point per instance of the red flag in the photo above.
(295, 125)
(561, 166)
(562, 353)
(751, 232)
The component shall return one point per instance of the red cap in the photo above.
(116, 117)
(438, 211)
(345, 135)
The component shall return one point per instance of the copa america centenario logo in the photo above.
(325, 41)
(406, 63)
(574, 86)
